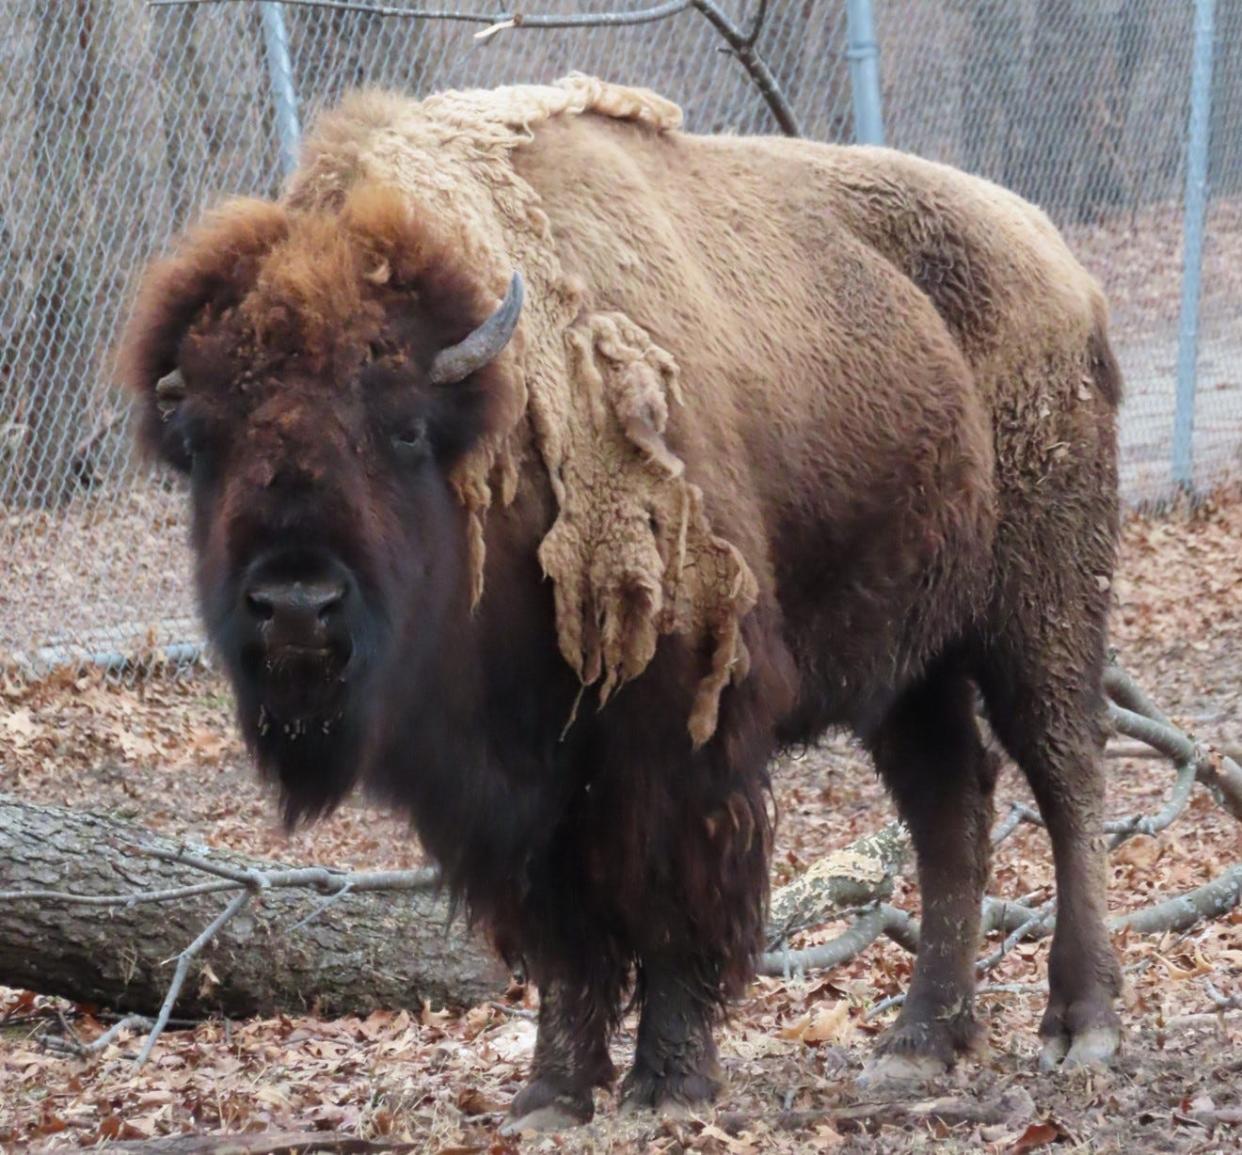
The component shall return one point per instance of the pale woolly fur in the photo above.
(633, 554)
(593, 383)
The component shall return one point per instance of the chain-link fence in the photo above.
(121, 120)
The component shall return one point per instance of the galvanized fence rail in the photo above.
(122, 120)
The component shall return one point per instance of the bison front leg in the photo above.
(571, 1060)
(675, 1063)
(933, 760)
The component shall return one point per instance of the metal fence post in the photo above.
(1198, 134)
(863, 53)
(280, 76)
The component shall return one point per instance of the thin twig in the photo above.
(236, 904)
(496, 21)
(584, 19)
(1033, 927)
(740, 43)
(756, 24)
(336, 883)
(73, 1045)
(884, 1005)
(1019, 813)
(130, 899)
(331, 900)
(1125, 828)
(515, 1012)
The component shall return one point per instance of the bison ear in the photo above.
(212, 266)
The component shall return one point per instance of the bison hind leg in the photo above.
(930, 754)
(1052, 727)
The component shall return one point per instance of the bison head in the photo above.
(318, 376)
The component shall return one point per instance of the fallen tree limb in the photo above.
(83, 925)
(856, 881)
(854, 876)
(367, 950)
(866, 929)
(1212, 900)
(1133, 714)
(265, 1143)
(1012, 1107)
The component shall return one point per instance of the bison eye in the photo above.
(410, 442)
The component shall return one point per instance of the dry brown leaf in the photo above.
(1038, 1135)
(472, 1101)
(831, 1024)
(827, 1137)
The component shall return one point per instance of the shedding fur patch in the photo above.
(632, 555)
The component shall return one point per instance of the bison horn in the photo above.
(457, 362)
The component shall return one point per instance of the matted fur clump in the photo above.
(632, 554)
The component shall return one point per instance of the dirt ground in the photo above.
(163, 753)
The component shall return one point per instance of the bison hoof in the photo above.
(546, 1105)
(899, 1072)
(920, 1049)
(675, 1095)
(1079, 1037)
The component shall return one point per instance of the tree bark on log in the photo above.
(362, 952)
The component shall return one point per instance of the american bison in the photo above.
(551, 469)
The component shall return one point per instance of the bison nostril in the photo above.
(295, 601)
(260, 605)
(330, 601)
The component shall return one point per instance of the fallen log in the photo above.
(357, 951)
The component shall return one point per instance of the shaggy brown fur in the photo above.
(803, 436)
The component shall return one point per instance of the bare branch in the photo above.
(884, 1005)
(236, 904)
(1036, 926)
(336, 883)
(1012, 1107)
(1126, 692)
(495, 21)
(1139, 751)
(1019, 813)
(1001, 914)
(69, 1043)
(1136, 716)
(839, 950)
(893, 923)
(1179, 798)
(1212, 900)
(740, 43)
(989, 989)
(1221, 1001)
(131, 899)
(756, 25)
(585, 19)
(901, 927)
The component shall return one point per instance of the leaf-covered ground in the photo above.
(162, 753)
